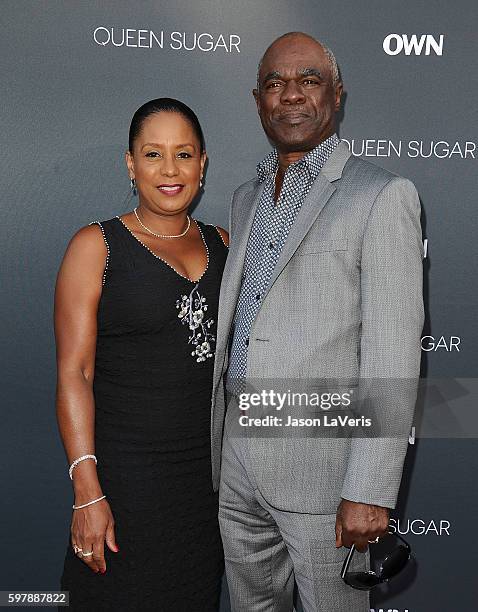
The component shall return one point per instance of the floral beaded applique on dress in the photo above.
(192, 312)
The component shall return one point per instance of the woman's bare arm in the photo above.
(78, 290)
(77, 294)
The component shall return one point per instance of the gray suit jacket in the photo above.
(344, 301)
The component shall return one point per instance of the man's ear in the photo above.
(129, 163)
(339, 90)
(255, 93)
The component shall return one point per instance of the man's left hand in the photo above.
(359, 524)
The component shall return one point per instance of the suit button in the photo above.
(258, 296)
(246, 341)
(271, 245)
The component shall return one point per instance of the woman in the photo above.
(135, 320)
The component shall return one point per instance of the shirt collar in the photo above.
(313, 162)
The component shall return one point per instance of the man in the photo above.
(323, 280)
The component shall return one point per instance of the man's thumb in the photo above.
(338, 536)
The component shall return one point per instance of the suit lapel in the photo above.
(316, 199)
(318, 196)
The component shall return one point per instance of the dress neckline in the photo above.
(163, 260)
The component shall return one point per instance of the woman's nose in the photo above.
(169, 167)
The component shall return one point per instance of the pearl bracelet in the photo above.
(77, 461)
(89, 503)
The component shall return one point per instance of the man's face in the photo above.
(296, 99)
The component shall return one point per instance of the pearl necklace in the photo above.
(163, 235)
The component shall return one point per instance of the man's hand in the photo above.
(358, 524)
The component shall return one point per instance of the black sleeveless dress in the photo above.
(152, 389)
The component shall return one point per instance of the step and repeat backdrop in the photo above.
(72, 75)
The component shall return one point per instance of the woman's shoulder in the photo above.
(93, 236)
(224, 235)
(106, 223)
(217, 230)
(87, 250)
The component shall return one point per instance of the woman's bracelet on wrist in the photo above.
(88, 503)
(77, 461)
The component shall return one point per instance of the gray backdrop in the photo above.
(66, 106)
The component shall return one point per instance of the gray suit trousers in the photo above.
(266, 549)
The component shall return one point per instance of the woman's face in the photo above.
(166, 162)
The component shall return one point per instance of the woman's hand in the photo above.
(90, 528)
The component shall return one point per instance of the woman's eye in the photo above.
(152, 154)
(184, 155)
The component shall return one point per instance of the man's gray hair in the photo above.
(334, 68)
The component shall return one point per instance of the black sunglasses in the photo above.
(391, 566)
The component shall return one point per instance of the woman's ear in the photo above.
(129, 163)
(203, 161)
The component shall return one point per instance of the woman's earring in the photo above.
(132, 182)
(200, 182)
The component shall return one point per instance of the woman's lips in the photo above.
(170, 190)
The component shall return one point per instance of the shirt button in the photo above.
(246, 341)
(271, 245)
(258, 296)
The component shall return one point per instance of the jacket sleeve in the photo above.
(392, 321)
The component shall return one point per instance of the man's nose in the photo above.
(292, 93)
(169, 167)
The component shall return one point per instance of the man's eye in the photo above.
(273, 84)
(310, 82)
